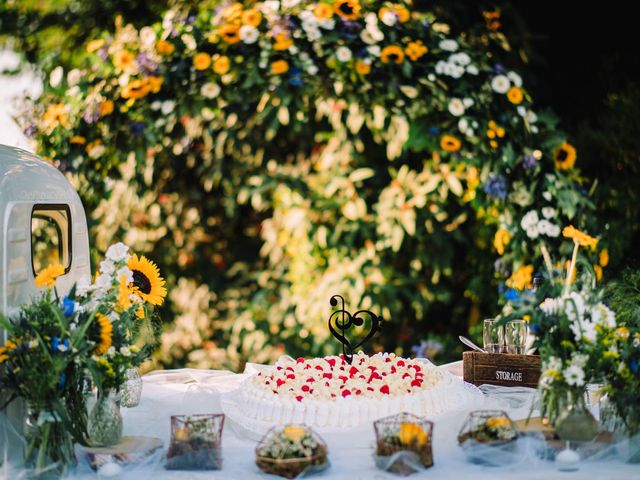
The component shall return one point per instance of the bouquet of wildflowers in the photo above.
(123, 296)
(569, 321)
(42, 362)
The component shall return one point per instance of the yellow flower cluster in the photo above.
(9, 346)
(416, 50)
(581, 238)
(412, 434)
(294, 433)
(500, 240)
(497, 422)
(141, 87)
(515, 95)
(521, 278)
(494, 132)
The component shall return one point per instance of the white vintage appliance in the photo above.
(42, 221)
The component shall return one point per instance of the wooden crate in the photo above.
(502, 369)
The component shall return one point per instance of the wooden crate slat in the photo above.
(502, 369)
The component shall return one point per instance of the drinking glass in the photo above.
(516, 336)
(493, 336)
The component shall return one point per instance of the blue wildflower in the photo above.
(137, 128)
(512, 295)
(633, 365)
(68, 306)
(529, 162)
(60, 345)
(434, 131)
(534, 328)
(496, 187)
(63, 380)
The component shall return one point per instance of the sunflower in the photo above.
(392, 53)
(106, 332)
(347, 9)
(164, 47)
(136, 89)
(147, 282)
(230, 33)
(565, 156)
(251, 17)
(450, 143)
(124, 294)
(47, 277)
(323, 11)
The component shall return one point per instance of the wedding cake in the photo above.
(331, 393)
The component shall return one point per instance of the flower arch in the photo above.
(365, 148)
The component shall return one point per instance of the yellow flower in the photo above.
(221, 65)
(347, 9)
(515, 95)
(106, 108)
(124, 60)
(147, 282)
(202, 61)
(282, 41)
(494, 422)
(363, 68)
(94, 45)
(416, 50)
(165, 47)
(598, 270)
(521, 278)
(233, 12)
(78, 140)
(47, 277)
(392, 53)
(565, 156)
(294, 433)
(412, 433)
(230, 33)
(323, 11)
(402, 13)
(604, 257)
(124, 295)
(106, 333)
(155, 83)
(622, 333)
(279, 67)
(450, 143)
(56, 115)
(500, 240)
(583, 239)
(135, 89)
(251, 17)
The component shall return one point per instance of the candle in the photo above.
(567, 460)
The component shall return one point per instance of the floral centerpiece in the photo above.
(570, 323)
(290, 450)
(58, 346)
(488, 427)
(403, 443)
(195, 442)
(619, 363)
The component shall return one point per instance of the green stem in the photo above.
(572, 267)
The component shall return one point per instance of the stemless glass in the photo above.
(493, 336)
(516, 336)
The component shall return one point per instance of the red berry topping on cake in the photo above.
(299, 398)
(300, 360)
(384, 389)
(345, 393)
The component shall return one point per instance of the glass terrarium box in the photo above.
(195, 442)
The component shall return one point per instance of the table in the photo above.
(189, 391)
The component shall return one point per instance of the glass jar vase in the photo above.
(105, 421)
(131, 389)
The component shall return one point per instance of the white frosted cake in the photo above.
(330, 393)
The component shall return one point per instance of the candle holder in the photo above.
(403, 443)
(195, 442)
(291, 450)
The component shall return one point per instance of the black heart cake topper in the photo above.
(344, 320)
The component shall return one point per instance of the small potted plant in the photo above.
(290, 450)
(403, 443)
(487, 428)
(195, 442)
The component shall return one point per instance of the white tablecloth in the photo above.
(198, 391)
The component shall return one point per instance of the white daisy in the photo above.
(210, 90)
(248, 34)
(515, 78)
(343, 54)
(500, 84)
(448, 45)
(574, 375)
(456, 107)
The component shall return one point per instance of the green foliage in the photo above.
(262, 193)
